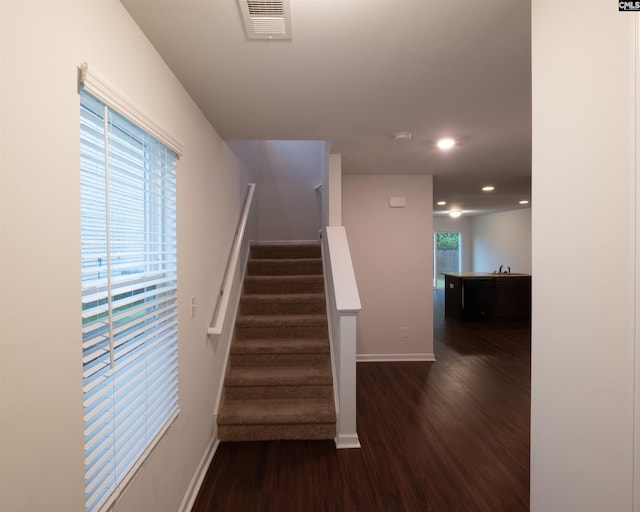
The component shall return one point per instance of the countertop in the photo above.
(477, 275)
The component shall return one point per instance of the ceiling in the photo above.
(357, 71)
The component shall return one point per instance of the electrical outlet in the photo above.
(404, 332)
(193, 306)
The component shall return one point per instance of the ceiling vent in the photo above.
(266, 19)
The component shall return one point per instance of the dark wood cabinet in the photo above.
(513, 298)
(477, 297)
(453, 297)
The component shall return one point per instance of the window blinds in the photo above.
(129, 295)
(99, 87)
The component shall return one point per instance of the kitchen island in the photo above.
(487, 296)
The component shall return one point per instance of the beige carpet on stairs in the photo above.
(279, 383)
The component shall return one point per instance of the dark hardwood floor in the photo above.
(446, 436)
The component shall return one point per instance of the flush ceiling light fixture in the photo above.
(441, 203)
(455, 213)
(446, 143)
(402, 136)
(488, 188)
(524, 201)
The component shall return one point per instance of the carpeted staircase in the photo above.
(279, 383)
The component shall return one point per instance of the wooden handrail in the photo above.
(219, 314)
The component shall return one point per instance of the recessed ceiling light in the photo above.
(455, 213)
(524, 201)
(488, 188)
(446, 143)
(441, 203)
(402, 136)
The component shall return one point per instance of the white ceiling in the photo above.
(357, 71)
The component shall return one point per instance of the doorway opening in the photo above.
(446, 255)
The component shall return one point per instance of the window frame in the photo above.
(141, 331)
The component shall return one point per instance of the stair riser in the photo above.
(285, 251)
(255, 284)
(246, 333)
(277, 392)
(239, 360)
(314, 431)
(284, 267)
(282, 308)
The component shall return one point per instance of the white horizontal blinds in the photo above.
(99, 87)
(97, 374)
(129, 294)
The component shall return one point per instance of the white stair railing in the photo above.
(343, 305)
(239, 243)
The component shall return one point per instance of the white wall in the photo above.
(41, 430)
(332, 192)
(392, 252)
(502, 239)
(583, 307)
(460, 225)
(247, 154)
(286, 173)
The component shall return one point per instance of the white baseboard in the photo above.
(347, 441)
(382, 358)
(194, 487)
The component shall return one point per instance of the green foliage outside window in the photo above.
(447, 241)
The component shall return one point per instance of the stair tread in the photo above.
(279, 375)
(284, 266)
(277, 411)
(269, 260)
(280, 346)
(283, 284)
(289, 251)
(282, 297)
(279, 320)
(284, 277)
